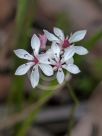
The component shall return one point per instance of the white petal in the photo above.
(69, 52)
(60, 76)
(34, 77)
(47, 69)
(23, 69)
(51, 37)
(51, 56)
(44, 58)
(77, 36)
(81, 50)
(56, 49)
(50, 53)
(70, 61)
(23, 54)
(35, 43)
(72, 68)
(59, 33)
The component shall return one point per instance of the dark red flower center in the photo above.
(66, 43)
(36, 61)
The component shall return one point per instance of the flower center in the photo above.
(66, 43)
(58, 65)
(36, 61)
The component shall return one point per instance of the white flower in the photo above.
(67, 43)
(59, 63)
(35, 61)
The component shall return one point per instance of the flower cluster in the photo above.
(53, 60)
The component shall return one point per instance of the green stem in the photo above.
(34, 113)
(76, 103)
(32, 116)
(72, 94)
(71, 120)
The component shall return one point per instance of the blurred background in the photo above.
(34, 112)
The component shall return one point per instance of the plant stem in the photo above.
(76, 103)
(32, 116)
(71, 120)
(72, 94)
